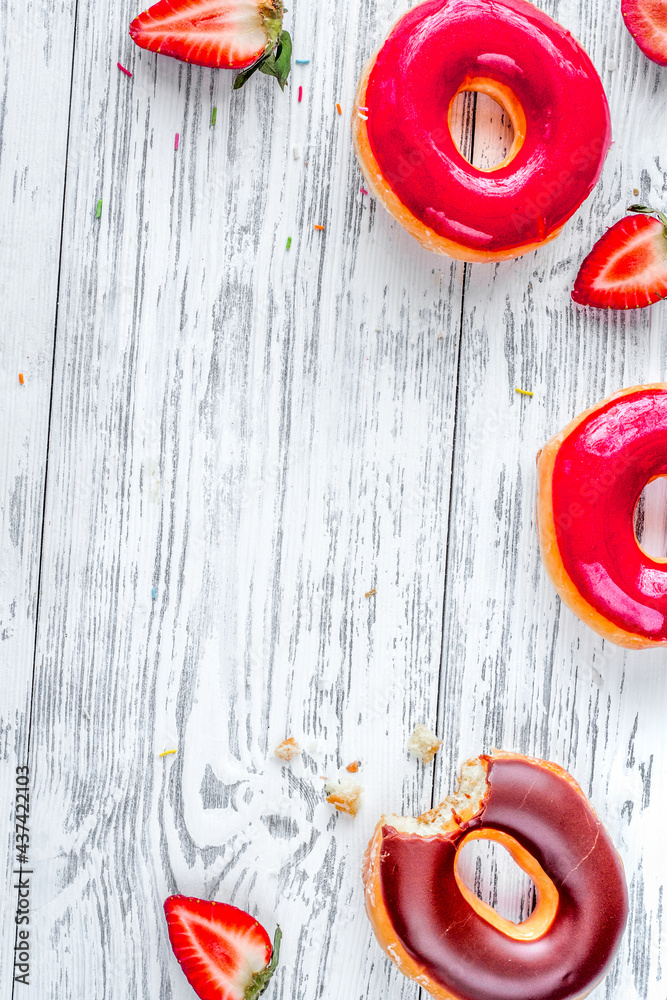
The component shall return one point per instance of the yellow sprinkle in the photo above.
(21, 379)
(371, 593)
(524, 392)
(165, 753)
(319, 227)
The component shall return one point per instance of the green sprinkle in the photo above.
(214, 116)
(289, 242)
(99, 209)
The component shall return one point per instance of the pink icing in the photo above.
(427, 56)
(599, 474)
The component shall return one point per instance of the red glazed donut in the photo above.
(441, 935)
(546, 84)
(590, 478)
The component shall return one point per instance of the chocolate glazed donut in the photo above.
(454, 945)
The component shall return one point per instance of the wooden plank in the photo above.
(522, 671)
(35, 69)
(245, 441)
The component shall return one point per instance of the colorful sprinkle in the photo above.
(99, 209)
(365, 117)
(123, 70)
(300, 93)
(363, 190)
(176, 139)
(153, 592)
(362, 109)
(289, 243)
(21, 379)
(86, 713)
(339, 109)
(165, 753)
(319, 227)
(296, 152)
(302, 62)
(214, 115)
(524, 392)
(371, 593)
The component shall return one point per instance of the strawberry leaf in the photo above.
(279, 61)
(276, 63)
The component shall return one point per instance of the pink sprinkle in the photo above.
(123, 70)
(363, 190)
(300, 92)
(176, 141)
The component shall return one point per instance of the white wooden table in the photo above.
(221, 445)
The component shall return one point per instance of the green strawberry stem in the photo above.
(261, 979)
(272, 15)
(645, 210)
(276, 61)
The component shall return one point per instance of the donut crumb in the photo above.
(288, 749)
(424, 744)
(344, 794)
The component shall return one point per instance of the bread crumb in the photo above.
(288, 749)
(424, 744)
(344, 794)
(353, 767)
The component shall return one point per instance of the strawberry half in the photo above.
(224, 953)
(646, 21)
(222, 34)
(627, 268)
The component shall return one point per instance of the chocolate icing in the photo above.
(470, 957)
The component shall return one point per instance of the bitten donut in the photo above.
(545, 83)
(590, 478)
(441, 935)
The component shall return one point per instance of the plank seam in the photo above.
(48, 432)
(466, 265)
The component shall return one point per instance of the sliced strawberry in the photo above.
(224, 952)
(223, 34)
(627, 268)
(646, 21)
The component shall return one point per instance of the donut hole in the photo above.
(651, 519)
(489, 870)
(482, 128)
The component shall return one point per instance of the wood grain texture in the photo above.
(222, 411)
(244, 441)
(35, 78)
